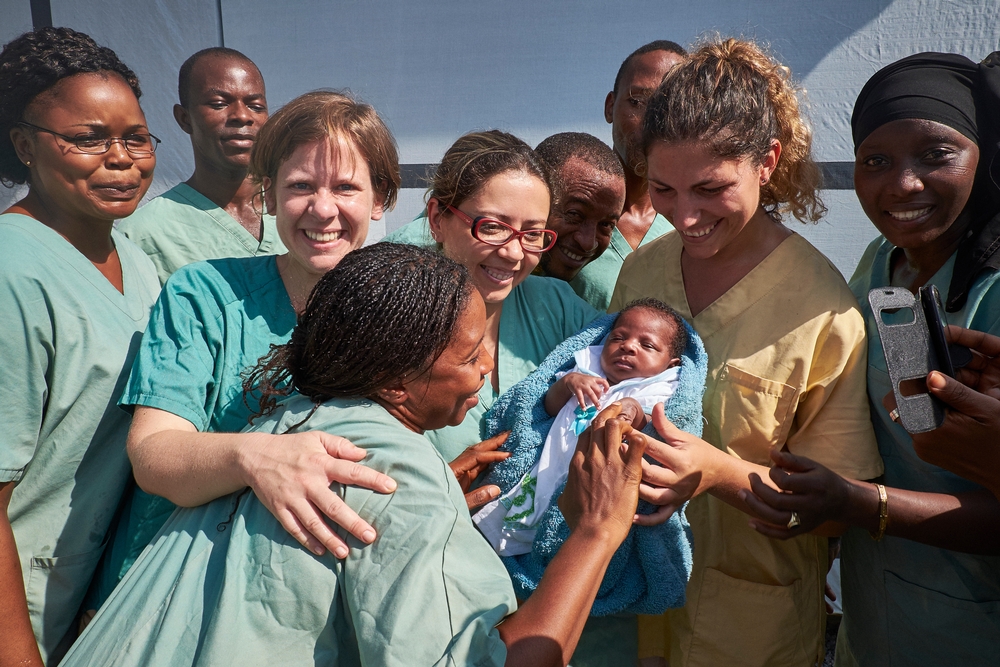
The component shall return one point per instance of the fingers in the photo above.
(340, 448)
(788, 461)
(960, 397)
(660, 496)
(979, 341)
(289, 520)
(355, 474)
(665, 427)
(478, 497)
(492, 444)
(610, 412)
(661, 515)
(333, 506)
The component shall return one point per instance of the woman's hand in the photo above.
(587, 388)
(291, 475)
(683, 459)
(602, 490)
(813, 492)
(471, 463)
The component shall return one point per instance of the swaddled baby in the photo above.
(637, 366)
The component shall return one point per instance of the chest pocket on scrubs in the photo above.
(755, 413)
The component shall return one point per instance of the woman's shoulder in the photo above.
(224, 280)
(811, 271)
(655, 251)
(552, 292)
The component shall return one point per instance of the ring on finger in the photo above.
(894, 414)
(794, 521)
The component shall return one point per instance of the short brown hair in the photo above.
(733, 96)
(336, 116)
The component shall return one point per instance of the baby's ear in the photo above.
(674, 362)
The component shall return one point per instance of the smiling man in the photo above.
(218, 212)
(588, 196)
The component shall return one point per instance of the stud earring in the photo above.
(27, 163)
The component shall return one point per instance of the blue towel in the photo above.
(649, 572)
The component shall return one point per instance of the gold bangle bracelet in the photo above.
(883, 513)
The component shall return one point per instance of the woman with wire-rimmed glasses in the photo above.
(487, 208)
(75, 296)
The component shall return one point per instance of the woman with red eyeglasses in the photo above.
(487, 209)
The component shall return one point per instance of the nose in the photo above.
(512, 250)
(240, 114)
(117, 155)
(486, 362)
(686, 213)
(324, 204)
(908, 181)
(586, 237)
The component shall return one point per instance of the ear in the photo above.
(395, 394)
(183, 118)
(770, 161)
(434, 212)
(609, 107)
(378, 208)
(674, 362)
(24, 144)
(270, 201)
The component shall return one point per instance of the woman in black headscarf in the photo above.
(924, 587)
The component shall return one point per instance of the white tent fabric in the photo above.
(438, 69)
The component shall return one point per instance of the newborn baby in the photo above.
(637, 366)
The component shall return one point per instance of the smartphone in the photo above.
(930, 300)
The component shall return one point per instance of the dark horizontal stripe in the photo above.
(836, 175)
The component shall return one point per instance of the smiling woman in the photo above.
(74, 294)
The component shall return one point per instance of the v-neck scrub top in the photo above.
(786, 368)
(225, 584)
(183, 226)
(907, 603)
(67, 338)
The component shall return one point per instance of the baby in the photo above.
(637, 366)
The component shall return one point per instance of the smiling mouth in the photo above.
(907, 216)
(574, 256)
(323, 237)
(498, 275)
(699, 234)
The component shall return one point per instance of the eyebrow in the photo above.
(102, 126)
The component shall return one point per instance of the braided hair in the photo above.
(384, 313)
(35, 62)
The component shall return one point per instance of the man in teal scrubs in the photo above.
(218, 212)
(588, 193)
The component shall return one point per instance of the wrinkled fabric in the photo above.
(224, 584)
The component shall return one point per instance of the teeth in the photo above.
(906, 216)
(696, 235)
(573, 256)
(323, 237)
(497, 274)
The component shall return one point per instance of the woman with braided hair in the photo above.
(389, 346)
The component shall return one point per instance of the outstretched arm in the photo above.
(291, 474)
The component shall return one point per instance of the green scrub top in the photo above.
(537, 315)
(183, 226)
(225, 584)
(416, 232)
(595, 283)
(213, 320)
(904, 602)
(67, 338)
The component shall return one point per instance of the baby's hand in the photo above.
(632, 412)
(586, 388)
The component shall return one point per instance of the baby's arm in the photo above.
(632, 410)
(586, 388)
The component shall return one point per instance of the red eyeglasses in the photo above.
(495, 232)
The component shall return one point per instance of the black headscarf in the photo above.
(952, 90)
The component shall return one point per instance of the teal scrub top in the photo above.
(595, 283)
(225, 584)
(416, 232)
(213, 320)
(67, 338)
(183, 226)
(908, 603)
(537, 315)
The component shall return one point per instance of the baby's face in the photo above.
(639, 346)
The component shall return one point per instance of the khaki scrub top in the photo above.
(786, 368)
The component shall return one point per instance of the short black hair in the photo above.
(184, 77)
(556, 151)
(35, 62)
(680, 341)
(658, 45)
(384, 312)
